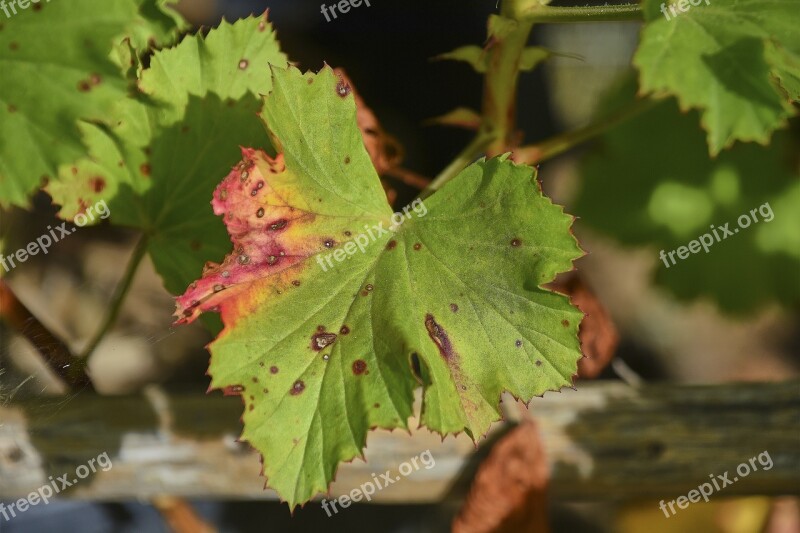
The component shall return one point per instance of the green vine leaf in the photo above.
(157, 160)
(652, 182)
(737, 61)
(38, 131)
(329, 300)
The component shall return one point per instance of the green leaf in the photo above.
(731, 59)
(478, 58)
(46, 87)
(474, 55)
(328, 298)
(651, 182)
(157, 161)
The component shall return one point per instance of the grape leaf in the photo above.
(652, 182)
(45, 88)
(723, 58)
(157, 160)
(320, 337)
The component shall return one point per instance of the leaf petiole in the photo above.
(119, 297)
(532, 11)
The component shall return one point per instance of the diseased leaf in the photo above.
(58, 66)
(598, 334)
(156, 161)
(509, 491)
(651, 181)
(328, 298)
(734, 60)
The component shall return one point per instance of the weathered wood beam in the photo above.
(606, 441)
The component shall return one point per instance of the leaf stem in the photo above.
(549, 148)
(119, 296)
(534, 12)
(464, 158)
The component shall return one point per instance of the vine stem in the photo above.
(499, 98)
(533, 12)
(547, 149)
(53, 350)
(119, 297)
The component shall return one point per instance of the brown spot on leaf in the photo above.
(320, 341)
(342, 88)
(565, 323)
(83, 86)
(95, 79)
(347, 160)
(297, 388)
(278, 225)
(391, 245)
(417, 246)
(359, 367)
(243, 64)
(454, 308)
(97, 184)
(439, 337)
(273, 369)
(344, 330)
(144, 168)
(515, 242)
